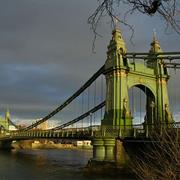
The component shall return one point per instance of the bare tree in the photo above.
(161, 160)
(168, 10)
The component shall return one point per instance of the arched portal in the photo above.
(142, 104)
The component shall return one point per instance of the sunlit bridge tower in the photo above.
(150, 76)
(159, 104)
(117, 111)
(123, 71)
(4, 122)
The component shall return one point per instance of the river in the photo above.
(44, 164)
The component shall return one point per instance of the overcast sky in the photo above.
(45, 51)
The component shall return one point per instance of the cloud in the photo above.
(45, 51)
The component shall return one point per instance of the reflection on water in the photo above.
(45, 164)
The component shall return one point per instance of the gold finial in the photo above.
(155, 45)
(116, 22)
(154, 35)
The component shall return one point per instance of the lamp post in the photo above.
(152, 105)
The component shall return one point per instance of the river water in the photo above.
(44, 164)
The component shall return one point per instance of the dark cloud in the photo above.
(45, 51)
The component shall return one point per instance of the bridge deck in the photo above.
(86, 133)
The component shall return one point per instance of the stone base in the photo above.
(122, 158)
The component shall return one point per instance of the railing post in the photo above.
(53, 134)
(50, 133)
(134, 132)
(103, 132)
(91, 131)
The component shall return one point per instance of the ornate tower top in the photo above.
(154, 57)
(116, 50)
(117, 42)
(7, 115)
(155, 45)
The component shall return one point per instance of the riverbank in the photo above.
(29, 144)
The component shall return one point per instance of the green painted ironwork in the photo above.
(122, 72)
(4, 122)
(68, 101)
(89, 132)
(150, 76)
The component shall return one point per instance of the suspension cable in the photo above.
(13, 124)
(94, 100)
(69, 100)
(132, 91)
(145, 98)
(101, 94)
(176, 97)
(140, 105)
(96, 108)
(82, 107)
(88, 104)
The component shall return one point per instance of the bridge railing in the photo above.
(136, 131)
(119, 131)
(86, 132)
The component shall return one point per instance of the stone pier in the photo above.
(109, 150)
(104, 149)
(98, 149)
(109, 156)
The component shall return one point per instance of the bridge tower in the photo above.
(121, 75)
(4, 122)
(159, 105)
(117, 112)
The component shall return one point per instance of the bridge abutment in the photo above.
(121, 156)
(109, 150)
(104, 149)
(109, 157)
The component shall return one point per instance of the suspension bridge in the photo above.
(104, 106)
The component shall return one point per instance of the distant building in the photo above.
(84, 143)
(43, 126)
(12, 128)
(6, 123)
